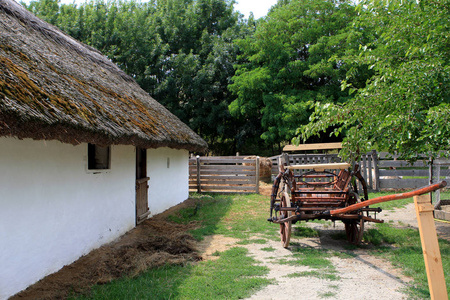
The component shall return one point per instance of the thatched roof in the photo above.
(54, 87)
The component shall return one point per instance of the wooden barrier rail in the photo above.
(224, 174)
(381, 170)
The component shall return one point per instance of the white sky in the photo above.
(258, 7)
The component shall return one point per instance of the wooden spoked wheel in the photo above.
(354, 229)
(285, 228)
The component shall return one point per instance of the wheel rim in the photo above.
(285, 228)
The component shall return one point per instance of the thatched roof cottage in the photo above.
(79, 140)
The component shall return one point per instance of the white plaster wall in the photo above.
(52, 211)
(168, 186)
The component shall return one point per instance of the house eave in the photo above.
(66, 133)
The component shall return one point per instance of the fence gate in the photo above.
(224, 174)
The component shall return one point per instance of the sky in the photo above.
(258, 7)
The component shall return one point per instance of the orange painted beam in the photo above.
(411, 194)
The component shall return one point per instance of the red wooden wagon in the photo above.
(314, 193)
(327, 192)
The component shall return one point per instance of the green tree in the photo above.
(405, 106)
(180, 51)
(286, 66)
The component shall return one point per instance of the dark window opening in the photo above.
(98, 157)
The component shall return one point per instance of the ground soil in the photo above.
(153, 243)
(156, 242)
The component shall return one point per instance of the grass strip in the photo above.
(402, 247)
(233, 276)
(238, 216)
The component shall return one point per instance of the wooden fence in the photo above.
(440, 170)
(381, 170)
(224, 174)
(240, 174)
(399, 174)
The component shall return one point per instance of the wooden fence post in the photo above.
(438, 179)
(430, 247)
(430, 175)
(377, 170)
(430, 170)
(257, 174)
(199, 188)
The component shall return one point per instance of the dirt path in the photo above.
(378, 276)
(360, 277)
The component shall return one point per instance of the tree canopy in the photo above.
(179, 51)
(285, 66)
(405, 106)
(375, 75)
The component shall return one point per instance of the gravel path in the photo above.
(360, 275)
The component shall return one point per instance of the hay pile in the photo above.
(265, 168)
(154, 243)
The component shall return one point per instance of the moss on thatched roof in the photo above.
(54, 87)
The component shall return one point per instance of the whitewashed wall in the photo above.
(169, 183)
(52, 211)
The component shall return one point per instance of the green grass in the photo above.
(301, 231)
(328, 294)
(344, 254)
(390, 205)
(268, 249)
(316, 259)
(311, 257)
(403, 248)
(238, 216)
(318, 274)
(252, 241)
(233, 276)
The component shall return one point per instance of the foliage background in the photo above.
(375, 75)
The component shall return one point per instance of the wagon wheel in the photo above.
(354, 229)
(285, 228)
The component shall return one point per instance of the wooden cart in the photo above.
(314, 193)
(328, 192)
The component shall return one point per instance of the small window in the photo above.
(98, 157)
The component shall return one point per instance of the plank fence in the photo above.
(240, 174)
(400, 174)
(381, 170)
(440, 170)
(224, 174)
